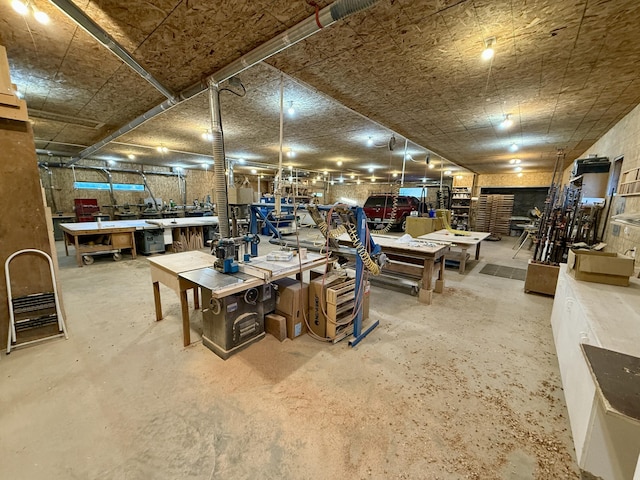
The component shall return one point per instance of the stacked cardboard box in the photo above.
(292, 304)
(600, 267)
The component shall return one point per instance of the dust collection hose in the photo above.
(362, 251)
(322, 224)
(344, 8)
(394, 211)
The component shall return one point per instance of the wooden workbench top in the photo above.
(446, 236)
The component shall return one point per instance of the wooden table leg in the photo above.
(463, 259)
(184, 304)
(196, 298)
(78, 256)
(440, 282)
(133, 245)
(66, 244)
(156, 299)
(426, 292)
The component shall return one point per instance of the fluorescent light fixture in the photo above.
(488, 52)
(131, 156)
(20, 7)
(254, 171)
(514, 147)
(41, 17)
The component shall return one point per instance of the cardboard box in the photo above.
(600, 267)
(318, 301)
(295, 326)
(417, 226)
(292, 303)
(276, 325)
(541, 278)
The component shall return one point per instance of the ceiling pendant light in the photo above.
(339, 163)
(352, 176)
(291, 110)
(514, 147)
(41, 17)
(432, 166)
(370, 142)
(131, 156)
(507, 122)
(20, 7)
(514, 161)
(488, 52)
(162, 149)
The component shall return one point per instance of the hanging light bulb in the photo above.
(514, 147)
(339, 163)
(518, 169)
(352, 176)
(507, 122)
(370, 142)
(291, 110)
(395, 175)
(370, 169)
(488, 52)
(131, 156)
(431, 166)
(254, 171)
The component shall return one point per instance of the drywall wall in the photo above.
(623, 140)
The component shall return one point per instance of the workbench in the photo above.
(405, 258)
(193, 270)
(464, 242)
(415, 259)
(596, 331)
(104, 239)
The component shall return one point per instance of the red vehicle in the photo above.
(378, 209)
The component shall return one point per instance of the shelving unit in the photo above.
(630, 182)
(460, 207)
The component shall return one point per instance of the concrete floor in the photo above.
(465, 388)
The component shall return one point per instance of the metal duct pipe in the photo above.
(119, 170)
(50, 173)
(108, 41)
(144, 180)
(111, 195)
(219, 161)
(325, 17)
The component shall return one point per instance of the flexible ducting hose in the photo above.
(362, 251)
(394, 210)
(219, 177)
(322, 225)
(344, 8)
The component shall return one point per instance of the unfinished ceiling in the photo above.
(564, 71)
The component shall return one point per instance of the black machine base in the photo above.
(225, 354)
